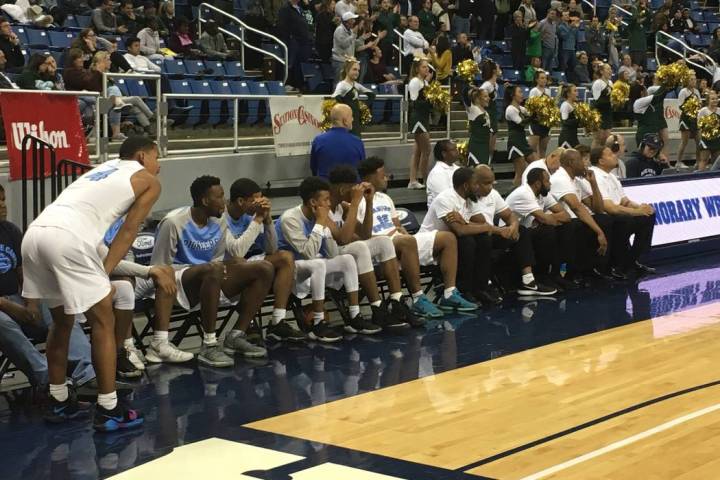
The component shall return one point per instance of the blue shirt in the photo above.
(335, 147)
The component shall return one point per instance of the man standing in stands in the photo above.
(344, 40)
(548, 35)
(440, 177)
(62, 266)
(293, 29)
(414, 44)
(629, 218)
(10, 46)
(462, 50)
(104, 20)
(644, 161)
(337, 146)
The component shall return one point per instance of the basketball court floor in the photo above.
(618, 382)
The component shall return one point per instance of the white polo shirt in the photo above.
(489, 206)
(609, 185)
(446, 202)
(439, 179)
(523, 202)
(536, 164)
(561, 184)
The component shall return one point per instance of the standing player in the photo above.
(62, 266)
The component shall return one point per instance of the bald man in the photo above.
(337, 146)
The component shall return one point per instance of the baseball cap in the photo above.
(652, 140)
(348, 16)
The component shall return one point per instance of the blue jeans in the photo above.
(567, 60)
(548, 58)
(15, 344)
(460, 25)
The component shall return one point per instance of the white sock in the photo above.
(320, 316)
(107, 400)
(160, 337)
(354, 310)
(396, 296)
(416, 296)
(209, 338)
(376, 304)
(278, 315)
(129, 343)
(59, 392)
(528, 278)
(447, 293)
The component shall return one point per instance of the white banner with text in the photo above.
(295, 122)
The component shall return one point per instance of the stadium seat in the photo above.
(526, 92)
(37, 38)
(705, 40)
(313, 76)
(214, 106)
(275, 87)
(239, 87)
(703, 28)
(218, 68)
(83, 21)
(60, 39)
(255, 111)
(651, 65)
(512, 75)
(712, 17)
(183, 87)
(697, 16)
(694, 40)
(328, 73)
(712, 26)
(117, 40)
(234, 69)
(222, 87)
(559, 77)
(194, 67)
(121, 83)
(138, 87)
(21, 33)
(174, 67)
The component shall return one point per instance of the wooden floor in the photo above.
(456, 419)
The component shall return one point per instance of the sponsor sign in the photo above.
(295, 122)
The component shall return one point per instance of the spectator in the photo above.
(149, 10)
(137, 61)
(440, 10)
(5, 81)
(582, 74)
(325, 24)
(10, 46)
(428, 23)
(361, 9)
(414, 43)
(212, 43)
(502, 15)
(388, 20)
(462, 49)
(575, 7)
(461, 19)
(128, 18)
(567, 32)
(378, 71)
(344, 41)
(484, 13)
(519, 35)
(90, 44)
(638, 26)
(182, 42)
(150, 40)
(612, 25)
(534, 44)
(628, 69)
(689, 22)
(294, 30)
(105, 21)
(534, 67)
(528, 12)
(441, 58)
(40, 73)
(344, 6)
(677, 24)
(548, 37)
(596, 39)
(166, 19)
(337, 146)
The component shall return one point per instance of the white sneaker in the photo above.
(415, 186)
(136, 357)
(166, 353)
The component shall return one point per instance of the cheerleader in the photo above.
(601, 101)
(419, 110)
(490, 72)
(480, 127)
(648, 110)
(568, 132)
(348, 89)
(688, 125)
(517, 118)
(709, 149)
(539, 134)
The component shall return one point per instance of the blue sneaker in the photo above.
(425, 308)
(457, 302)
(120, 417)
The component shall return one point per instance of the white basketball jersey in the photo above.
(89, 205)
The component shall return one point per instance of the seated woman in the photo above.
(90, 43)
(181, 41)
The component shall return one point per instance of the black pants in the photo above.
(578, 244)
(547, 253)
(623, 254)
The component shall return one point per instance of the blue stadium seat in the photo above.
(694, 39)
(512, 75)
(275, 87)
(327, 71)
(194, 67)
(391, 105)
(218, 68)
(655, 4)
(117, 40)
(203, 87)
(240, 87)
(559, 77)
(183, 86)
(651, 65)
(234, 69)
(256, 88)
(121, 83)
(702, 28)
(313, 76)
(138, 88)
(526, 92)
(60, 39)
(705, 40)
(712, 26)
(21, 33)
(697, 16)
(37, 38)
(222, 87)
(83, 21)
(172, 66)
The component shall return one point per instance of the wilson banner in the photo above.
(295, 122)
(54, 119)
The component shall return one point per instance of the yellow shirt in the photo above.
(442, 64)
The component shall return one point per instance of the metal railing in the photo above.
(684, 54)
(400, 47)
(105, 105)
(202, 18)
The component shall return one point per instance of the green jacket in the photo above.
(636, 30)
(529, 74)
(534, 47)
(428, 25)
(388, 21)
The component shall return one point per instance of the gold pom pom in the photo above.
(327, 105)
(365, 114)
(709, 127)
(672, 75)
(467, 69)
(619, 95)
(438, 96)
(691, 107)
(544, 109)
(588, 117)
(463, 150)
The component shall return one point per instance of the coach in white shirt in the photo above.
(583, 241)
(539, 213)
(137, 61)
(440, 177)
(550, 164)
(629, 218)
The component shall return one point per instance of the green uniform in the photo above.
(649, 114)
(348, 93)
(492, 110)
(602, 103)
(517, 138)
(419, 110)
(480, 130)
(569, 130)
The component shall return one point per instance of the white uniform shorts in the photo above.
(145, 288)
(61, 269)
(425, 245)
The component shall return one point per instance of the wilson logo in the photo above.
(56, 138)
(300, 115)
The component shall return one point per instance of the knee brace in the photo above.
(124, 298)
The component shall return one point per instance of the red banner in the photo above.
(55, 119)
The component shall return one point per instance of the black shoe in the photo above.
(596, 273)
(322, 332)
(283, 331)
(119, 418)
(70, 409)
(488, 298)
(565, 283)
(533, 288)
(617, 274)
(360, 324)
(254, 335)
(644, 269)
(381, 316)
(125, 368)
(400, 309)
